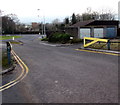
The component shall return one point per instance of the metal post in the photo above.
(84, 42)
(8, 52)
(108, 44)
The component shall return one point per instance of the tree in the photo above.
(62, 26)
(13, 17)
(56, 23)
(66, 21)
(107, 15)
(79, 17)
(8, 25)
(74, 20)
(0, 13)
(94, 15)
(86, 16)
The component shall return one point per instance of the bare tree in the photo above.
(94, 15)
(56, 21)
(13, 17)
(1, 13)
(107, 15)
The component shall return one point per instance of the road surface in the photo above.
(63, 75)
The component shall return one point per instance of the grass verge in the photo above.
(113, 46)
(9, 37)
(4, 61)
(14, 42)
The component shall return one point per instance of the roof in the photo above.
(95, 23)
(82, 23)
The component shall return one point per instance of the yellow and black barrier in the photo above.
(95, 40)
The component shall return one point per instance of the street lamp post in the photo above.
(41, 22)
(43, 25)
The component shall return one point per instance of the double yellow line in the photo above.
(21, 76)
(98, 52)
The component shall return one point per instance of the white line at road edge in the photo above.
(48, 44)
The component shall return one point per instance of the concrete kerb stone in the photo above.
(63, 45)
(56, 44)
(10, 40)
(8, 70)
(107, 51)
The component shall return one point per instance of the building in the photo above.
(94, 28)
(35, 26)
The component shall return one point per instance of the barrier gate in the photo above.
(94, 40)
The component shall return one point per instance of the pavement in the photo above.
(63, 75)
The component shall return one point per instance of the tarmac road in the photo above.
(63, 75)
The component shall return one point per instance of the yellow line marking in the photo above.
(8, 86)
(18, 77)
(98, 52)
(23, 63)
(21, 77)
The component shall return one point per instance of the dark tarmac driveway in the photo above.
(63, 75)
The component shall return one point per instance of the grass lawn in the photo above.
(8, 37)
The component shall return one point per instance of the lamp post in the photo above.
(119, 10)
(41, 22)
(44, 26)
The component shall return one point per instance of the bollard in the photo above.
(9, 53)
(13, 38)
(108, 44)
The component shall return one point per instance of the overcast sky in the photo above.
(27, 10)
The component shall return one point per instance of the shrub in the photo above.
(44, 39)
(57, 37)
(76, 41)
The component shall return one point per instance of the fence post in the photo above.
(8, 52)
(108, 44)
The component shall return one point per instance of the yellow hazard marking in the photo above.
(22, 75)
(98, 52)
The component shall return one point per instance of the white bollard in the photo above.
(13, 38)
